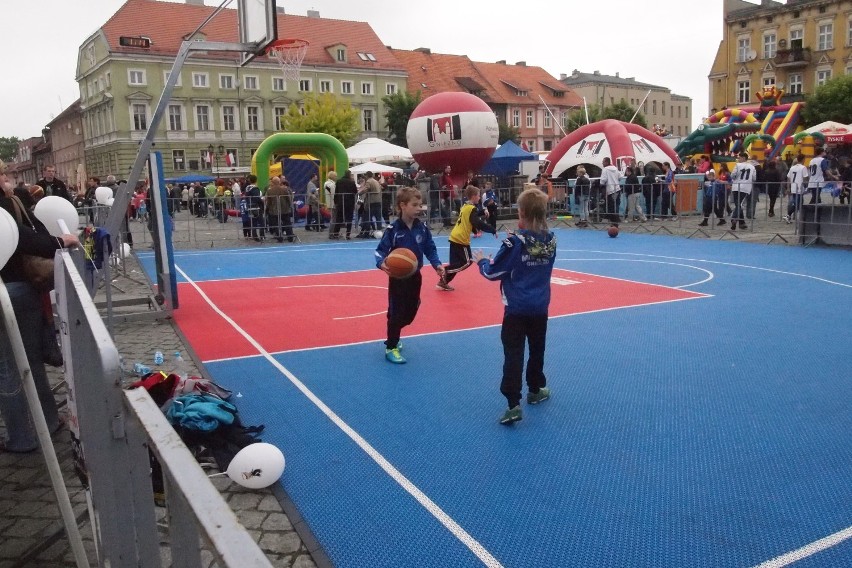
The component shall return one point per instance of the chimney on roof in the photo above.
(563, 76)
(195, 2)
(313, 14)
(521, 63)
(501, 62)
(596, 72)
(280, 9)
(425, 50)
(617, 75)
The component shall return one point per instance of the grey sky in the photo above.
(671, 44)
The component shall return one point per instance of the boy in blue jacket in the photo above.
(523, 266)
(408, 231)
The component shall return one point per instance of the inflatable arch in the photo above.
(328, 149)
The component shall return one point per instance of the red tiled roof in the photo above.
(439, 71)
(534, 80)
(166, 24)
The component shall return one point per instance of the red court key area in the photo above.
(301, 312)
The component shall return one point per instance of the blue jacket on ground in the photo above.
(418, 239)
(523, 266)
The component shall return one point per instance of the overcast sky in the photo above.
(672, 44)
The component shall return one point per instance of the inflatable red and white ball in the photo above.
(452, 129)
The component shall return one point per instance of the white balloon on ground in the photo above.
(8, 236)
(52, 208)
(257, 466)
(102, 195)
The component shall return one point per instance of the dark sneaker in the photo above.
(512, 415)
(441, 285)
(540, 396)
(721, 222)
(703, 223)
(733, 225)
(394, 356)
(743, 225)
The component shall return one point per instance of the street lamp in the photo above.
(221, 152)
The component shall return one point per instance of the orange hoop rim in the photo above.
(286, 43)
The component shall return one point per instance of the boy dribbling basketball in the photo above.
(523, 266)
(407, 231)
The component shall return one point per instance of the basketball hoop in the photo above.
(289, 53)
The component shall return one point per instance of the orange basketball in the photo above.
(612, 231)
(401, 263)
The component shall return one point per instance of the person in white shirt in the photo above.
(236, 192)
(818, 170)
(796, 176)
(610, 180)
(742, 183)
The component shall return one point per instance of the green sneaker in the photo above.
(394, 356)
(512, 415)
(540, 396)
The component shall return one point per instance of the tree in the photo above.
(624, 112)
(577, 118)
(507, 132)
(8, 148)
(398, 109)
(830, 102)
(326, 114)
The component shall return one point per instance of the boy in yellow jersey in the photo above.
(469, 222)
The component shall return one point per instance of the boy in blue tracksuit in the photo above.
(523, 266)
(404, 293)
(714, 199)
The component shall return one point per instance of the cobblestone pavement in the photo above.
(31, 531)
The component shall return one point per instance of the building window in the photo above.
(564, 119)
(548, 145)
(278, 113)
(278, 84)
(178, 160)
(226, 82)
(368, 120)
(743, 48)
(231, 158)
(654, 107)
(167, 74)
(530, 119)
(531, 145)
(770, 46)
(547, 122)
(794, 84)
(200, 80)
(825, 36)
(140, 116)
(304, 85)
(390, 89)
(341, 54)
(822, 76)
(253, 118)
(202, 117)
(516, 118)
(250, 82)
(134, 77)
(325, 86)
(367, 89)
(228, 119)
(663, 108)
(848, 33)
(768, 82)
(346, 87)
(797, 38)
(679, 109)
(175, 117)
(743, 91)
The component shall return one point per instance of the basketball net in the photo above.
(289, 53)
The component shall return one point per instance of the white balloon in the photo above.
(125, 250)
(257, 466)
(52, 208)
(102, 194)
(8, 236)
(110, 201)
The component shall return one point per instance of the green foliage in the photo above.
(507, 132)
(577, 118)
(8, 148)
(398, 109)
(830, 102)
(619, 111)
(326, 114)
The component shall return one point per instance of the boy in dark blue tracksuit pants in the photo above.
(523, 266)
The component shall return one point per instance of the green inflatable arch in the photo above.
(327, 148)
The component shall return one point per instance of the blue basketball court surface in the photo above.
(700, 409)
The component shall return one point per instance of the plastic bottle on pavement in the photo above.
(158, 358)
(180, 366)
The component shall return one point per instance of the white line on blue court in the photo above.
(455, 529)
(808, 550)
(704, 270)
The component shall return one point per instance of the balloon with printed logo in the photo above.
(256, 466)
(8, 236)
(52, 208)
(452, 129)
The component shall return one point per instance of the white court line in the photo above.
(455, 529)
(807, 550)
(710, 275)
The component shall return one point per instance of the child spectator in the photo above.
(714, 199)
(469, 221)
(407, 231)
(523, 266)
(489, 203)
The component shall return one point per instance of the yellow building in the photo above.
(796, 46)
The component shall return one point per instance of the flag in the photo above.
(229, 159)
(208, 157)
(524, 146)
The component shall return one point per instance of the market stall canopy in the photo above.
(191, 178)
(376, 150)
(375, 168)
(834, 132)
(506, 158)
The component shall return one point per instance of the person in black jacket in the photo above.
(33, 239)
(772, 179)
(344, 206)
(650, 189)
(633, 190)
(51, 184)
(582, 189)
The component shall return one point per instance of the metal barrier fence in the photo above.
(113, 431)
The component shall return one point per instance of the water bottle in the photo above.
(141, 369)
(180, 366)
(158, 358)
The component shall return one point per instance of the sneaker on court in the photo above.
(703, 223)
(743, 225)
(786, 219)
(721, 222)
(512, 415)
(540, 396)
(394, 356)
(441, 285)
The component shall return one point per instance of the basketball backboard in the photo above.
(258, 25)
